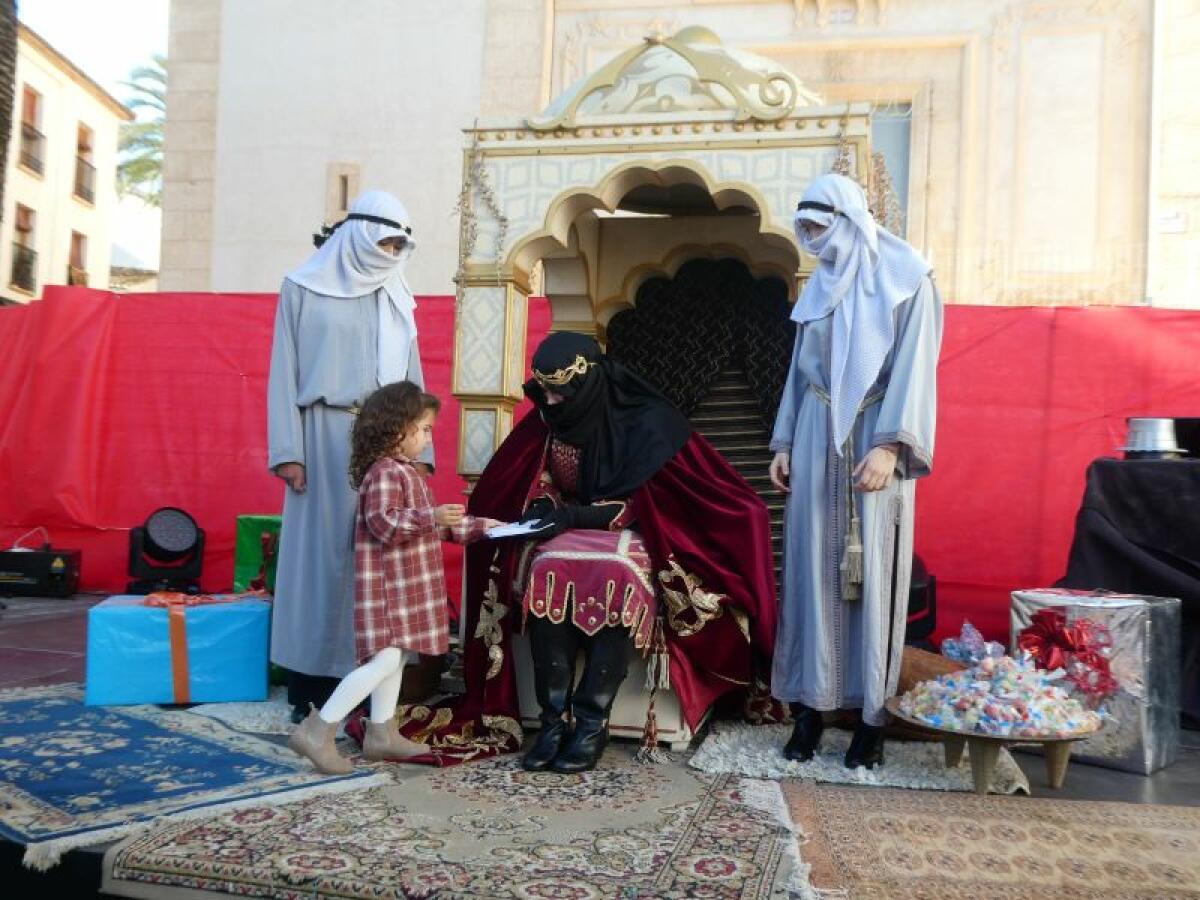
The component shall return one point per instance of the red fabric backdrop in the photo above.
(1028, 397)
(115, 405)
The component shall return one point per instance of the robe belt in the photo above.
(354, 409)
(823, 396)
(852, 550)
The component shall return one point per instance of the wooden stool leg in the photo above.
(954, 750)
(983, 763)
(1058, 753)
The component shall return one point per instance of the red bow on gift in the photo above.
(1077, 648)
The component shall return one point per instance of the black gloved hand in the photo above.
(538, 509)
(565, 518)
(555, 522)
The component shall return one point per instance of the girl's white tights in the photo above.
(380, 678)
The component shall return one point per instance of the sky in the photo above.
(106, 39)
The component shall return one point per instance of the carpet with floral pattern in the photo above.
(73, 775)
(486, 830)
(886, 844)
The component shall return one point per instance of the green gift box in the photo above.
(255, 552)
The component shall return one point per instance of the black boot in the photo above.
(607, 661)
(806, 733)
(866, 747)
(553, 648)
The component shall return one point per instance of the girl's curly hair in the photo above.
(386, 416)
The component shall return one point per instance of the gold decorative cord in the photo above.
(560, 377)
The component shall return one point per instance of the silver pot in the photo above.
(1151, 439)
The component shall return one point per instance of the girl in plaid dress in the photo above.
(400, 589)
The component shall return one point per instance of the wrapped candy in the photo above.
(970, 648)
(1000, 697)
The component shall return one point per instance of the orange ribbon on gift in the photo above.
(177, 605)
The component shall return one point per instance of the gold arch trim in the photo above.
(761, 96)
(566, 208)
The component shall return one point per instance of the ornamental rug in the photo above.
(756, 751)
(905, 845)
(72, 775)
(489, 830)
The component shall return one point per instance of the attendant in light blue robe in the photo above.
(344, 326)
(855, 430)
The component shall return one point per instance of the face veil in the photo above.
(626, 429)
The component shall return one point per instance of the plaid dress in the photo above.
(399, 584)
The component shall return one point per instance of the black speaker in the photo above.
(166, 553)
(39, 573)
(922, 606)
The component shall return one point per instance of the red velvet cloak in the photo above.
(709, 540)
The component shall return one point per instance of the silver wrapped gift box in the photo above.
(1142, 734)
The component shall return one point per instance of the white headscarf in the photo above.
(863, 273)
(352, 264)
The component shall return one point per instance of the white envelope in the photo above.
(516, 529)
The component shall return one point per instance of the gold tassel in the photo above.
(852, 555)
(662, 659)
(651, 671)
(649, 752)
(852, 563)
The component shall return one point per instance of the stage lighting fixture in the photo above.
(165, 553)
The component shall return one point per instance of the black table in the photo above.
(1138, 531)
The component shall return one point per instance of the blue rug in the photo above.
(72, 775)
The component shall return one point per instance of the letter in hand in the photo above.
(449, 514)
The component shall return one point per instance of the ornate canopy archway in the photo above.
(679, 148)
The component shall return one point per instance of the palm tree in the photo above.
(139, 173)
(8, 82)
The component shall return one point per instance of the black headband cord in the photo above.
(328, 230)
(813, 204)
(378, 220)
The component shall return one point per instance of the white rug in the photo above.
(756, 751)
(270, 716)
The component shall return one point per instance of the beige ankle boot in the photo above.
(314, 738)
(384, 741)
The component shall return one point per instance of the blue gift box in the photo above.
(207, 653)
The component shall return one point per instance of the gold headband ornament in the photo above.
(559, 377)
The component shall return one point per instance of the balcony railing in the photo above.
(76, 276)
(33, 148)
(85, 180)
(24, 268)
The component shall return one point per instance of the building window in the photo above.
(24, 264)
(85, 171)
(77, 268)
(341, 187)
(891, 135)
(33, 142)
